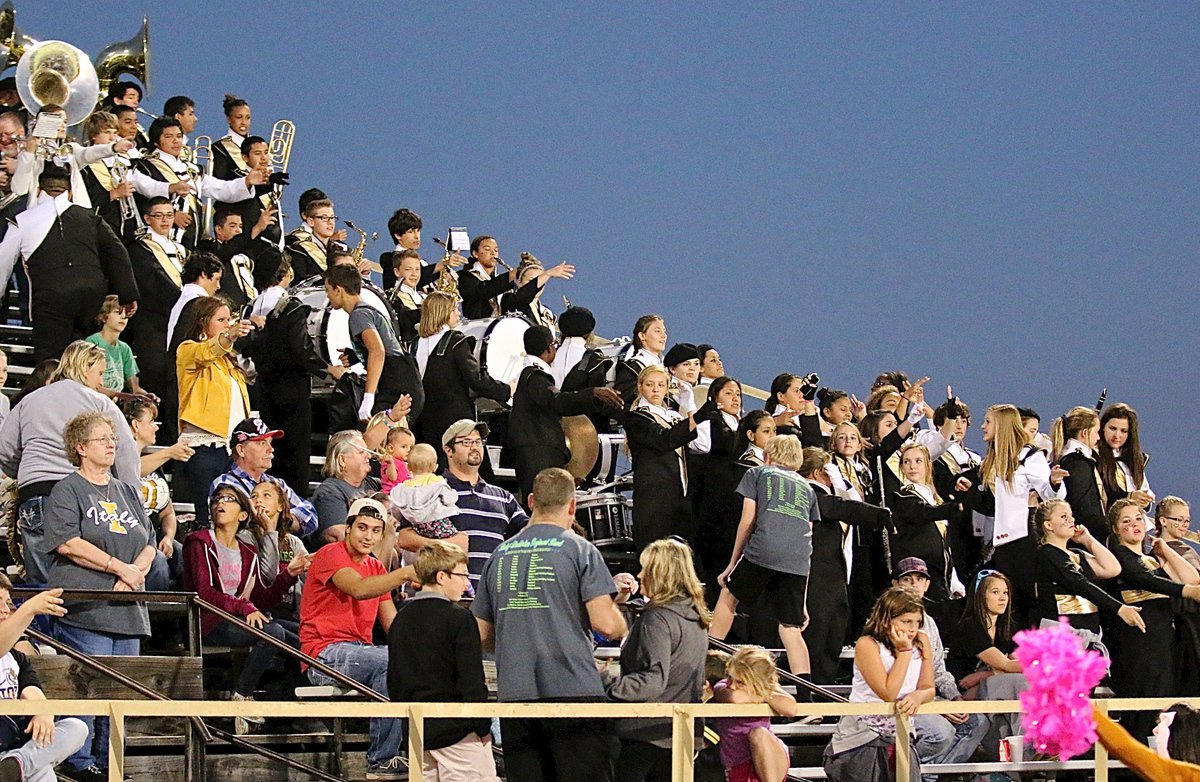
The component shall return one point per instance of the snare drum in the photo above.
(329, 328)
(606, 518)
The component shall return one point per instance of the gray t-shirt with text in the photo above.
(785, 508)
(534, 589)
(364, 317)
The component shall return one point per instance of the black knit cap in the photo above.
(577, 322)
(679, 353)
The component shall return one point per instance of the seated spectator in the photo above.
(156, 495)
(940, 738)
(41, 376)
(749, 750)
(97, 528)
(120, 368)
(487, 514)
(347, 473)
(31, 444)
(226, 571)
(444, 666)
(252, 457)
(50, 742)
(346, 592)
(268, 532)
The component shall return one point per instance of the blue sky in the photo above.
(1001, 197)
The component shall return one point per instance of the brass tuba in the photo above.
(132, 57)
(55, 72)
(14, 42)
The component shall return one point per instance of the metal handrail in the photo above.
(786, 676)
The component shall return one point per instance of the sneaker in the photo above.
(396, 768)
(244, 725)
(10, 770)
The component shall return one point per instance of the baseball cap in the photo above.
(911, 565)
(253, 429)
(365, 506)
(463, 426)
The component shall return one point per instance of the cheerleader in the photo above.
(1121, 461)
(656, 437)
(649, 343)
(1011, 470)
(756, 428)
(715, 470)
(922, 522)
(1066, 577)
(1144, 664)
(1076, 436)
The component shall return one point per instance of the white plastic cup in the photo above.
(1012, 749)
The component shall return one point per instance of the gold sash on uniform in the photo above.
(304, 239)
(103, 174)
(1074, 605)
(679, 452)
(171, 176)
(164, 260)
(235, 153)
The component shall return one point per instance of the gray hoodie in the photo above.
(662, 661)
(423, 504)
(31, 437)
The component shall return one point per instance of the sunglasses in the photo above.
(981, 575)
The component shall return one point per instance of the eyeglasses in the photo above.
(460, 575)
(221, 499)
(1177, 520)
(106, 439)
(472, 443)
(325, 218)
(160, 215)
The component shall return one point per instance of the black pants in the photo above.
(1144, 663)
(1017, 560)
(642, 762)
(828, 616)
(529, 462)
(261, 653)
(287, 405)
(65, 310)
(558, 750)
(399, 376)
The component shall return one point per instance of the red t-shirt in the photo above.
(327, 614)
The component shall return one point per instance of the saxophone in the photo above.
(358, 251)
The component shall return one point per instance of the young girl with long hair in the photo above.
(1121, 460)
(750, 752)
(1076, 437)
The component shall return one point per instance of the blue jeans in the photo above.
(37, 763)
(937, 740)
(367, 665)
(192, 479)
(33, 535)
(163, 571)
(94, 751)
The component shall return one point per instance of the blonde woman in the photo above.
(31, 443)
(923, 523)
(656, 437)
(750, 752)
(1012, 470)
(848, 472)
(449, 372)
(662, 660)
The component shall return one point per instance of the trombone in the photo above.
(202, 156)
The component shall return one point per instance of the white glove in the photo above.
(916, 413)
(687, 399)
(364, 410)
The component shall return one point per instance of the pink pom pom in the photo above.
(1058, 715)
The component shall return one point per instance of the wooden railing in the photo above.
(683, 716)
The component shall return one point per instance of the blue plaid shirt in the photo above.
(302, 510)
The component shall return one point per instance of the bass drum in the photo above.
(499, 347)
(329, 328)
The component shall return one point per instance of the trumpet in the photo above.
(149, 114)
(129, 210)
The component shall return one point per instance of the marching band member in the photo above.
(649, 342)
(965, 530)
(480, 290)
(106, 190)
(310, 244)
(228, 161)
(755, 429)
(1076, 437)
(535, 432)
(406, 298)
(127, 125)
(405, 227)
(656, 437)
(683, 362)
(1122, 462)
(256, 153)
(241, 255)
(711, 366)
(184, 183)
(791, 405)
(527, 298)
(182, 108)
(157, 262)
(69, 154)
(577, 366)
(848, 473)
(714, 471)
(129, 95)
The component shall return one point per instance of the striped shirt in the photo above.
(489, 515)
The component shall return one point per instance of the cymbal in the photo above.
(583, 443)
